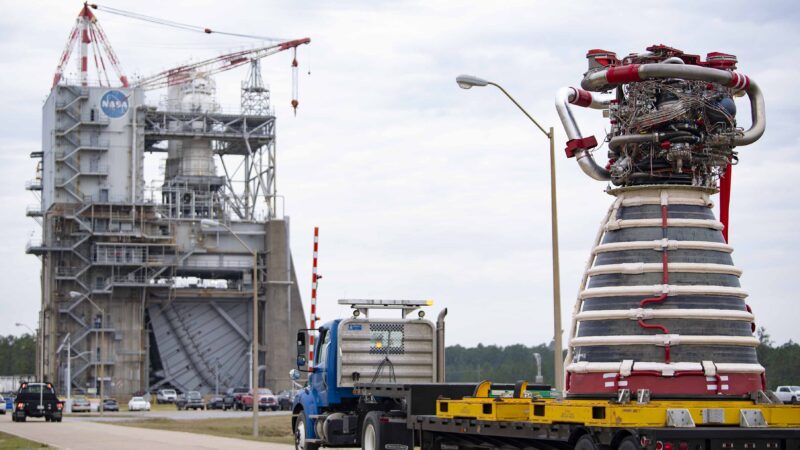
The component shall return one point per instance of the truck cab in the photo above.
(356, 351)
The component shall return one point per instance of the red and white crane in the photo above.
(91, 35)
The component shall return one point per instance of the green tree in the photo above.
(17, 355)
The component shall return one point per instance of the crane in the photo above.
(88, 30)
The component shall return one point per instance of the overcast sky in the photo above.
(421, 189)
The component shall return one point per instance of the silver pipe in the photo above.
(598, 81)
(585, 160)
(440, 360)
(563, 97)
(673, 60)
(619, 141)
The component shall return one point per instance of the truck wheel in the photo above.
(586, 442)
(371, 431)
(300, 435)
(629, 443)
(794, 400)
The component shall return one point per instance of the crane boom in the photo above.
(181, 74)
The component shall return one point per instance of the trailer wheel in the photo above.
(370, 434)
(629, 443)
(586, 442)
(300, 442)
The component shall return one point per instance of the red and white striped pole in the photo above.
(314, 279)
(86, 16)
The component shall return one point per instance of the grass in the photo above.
(9, 441)
(276, 429)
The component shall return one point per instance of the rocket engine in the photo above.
(660, 307)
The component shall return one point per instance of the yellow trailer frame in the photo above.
(630, 414)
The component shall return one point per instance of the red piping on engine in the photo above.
(665, 280)
(725, 199)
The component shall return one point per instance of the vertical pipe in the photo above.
(557, 346)
(440, 348)
(313, 300)
(725, 199)
(254, 349)
(69, 375)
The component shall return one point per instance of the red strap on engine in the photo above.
(582, 98)
(623, 74)
(579, 144)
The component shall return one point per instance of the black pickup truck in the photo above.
(37, 400)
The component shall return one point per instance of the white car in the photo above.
(788, 394)
(2, 405)
(166, 396)
(138, 404)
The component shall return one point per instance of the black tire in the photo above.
(47, 418)
(371, 431)
(586, 442)
(629, 443)
(300, 427)
(794, 400)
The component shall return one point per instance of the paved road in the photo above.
(90, 435)
(171, 414)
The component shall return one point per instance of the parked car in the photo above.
(190, 400)
(166, 396)
(266, 400)
(80, 404)
(233, 398)
(138, 404)
(110, 404)
(37, 400)
(788, 394)
(216, 402)
(2, 405)
(286, 399)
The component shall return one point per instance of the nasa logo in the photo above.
(114, 104)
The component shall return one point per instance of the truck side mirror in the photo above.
(302, 349)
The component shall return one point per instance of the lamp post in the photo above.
(40, 362)
(468, 82)
(68, 342)
(209, 223)
(77, 295)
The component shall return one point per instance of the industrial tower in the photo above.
(155, 289)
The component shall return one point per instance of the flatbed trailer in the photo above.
(474, 416)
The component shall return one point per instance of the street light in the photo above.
(468, 82)
(76, 295)
(40, 363)
(209, 223)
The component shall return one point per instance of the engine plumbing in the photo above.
(672, 116)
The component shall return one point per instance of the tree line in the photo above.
(516, 362)
(466, 364)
